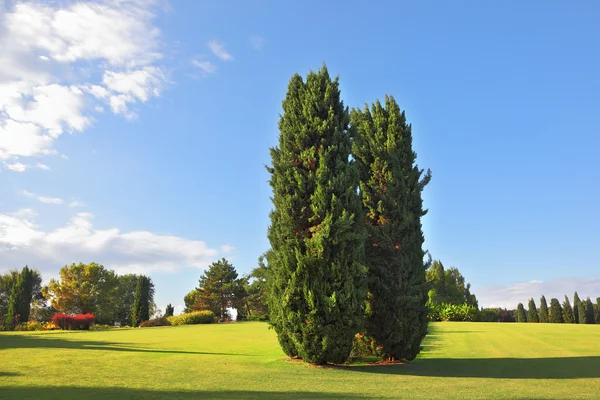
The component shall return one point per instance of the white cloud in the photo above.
(26, 193)
(50, 200)
(178, 309)
(17, 167)
(22, 242)
(206, 67)
(42, 166)
(257, 42)
(510, 295)
(51, 53)
(218, 50)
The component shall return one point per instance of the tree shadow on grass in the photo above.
(127, 393)
(55, 342)
(4, 374)
(505, 368)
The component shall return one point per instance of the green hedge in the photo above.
(452, 312)
(193, 318)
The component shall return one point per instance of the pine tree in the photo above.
(317, 278)
(521, 316)
(532, 314)
(589, 312)
(391, 184)
(169, 310)
(568, 316)
(556, 313)
(543, 310)
(220, 289)
(144, 292)
(578, 310)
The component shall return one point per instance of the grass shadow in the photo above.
(4, 373)
(127, 393)
(55, 342)
(503, 368)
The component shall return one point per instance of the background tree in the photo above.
(543, 309)
(144, 292)
(556, 313)
(390, 185)
(169, 310)
(532, 313)
(191, 301)
(84, 288)
(257, 290)
(219, 288)
(568, 316)
(124, 298)
(589, 312)
(597, 308)
(22, 293)
(448, 286)
(578, 310)
(521, 315)
(32, 292)
(317, 279)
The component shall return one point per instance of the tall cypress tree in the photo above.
(317, 278)
(391, 184)
(578, 310)
(589, 312)
(521, 316)
(556, 314)
(543, 309)
(169, 310)
(144, 291)
(568, 316)
(532, 314)
(12, 314)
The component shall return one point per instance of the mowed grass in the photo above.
(244, 361)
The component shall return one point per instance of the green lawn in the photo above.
(460, 360)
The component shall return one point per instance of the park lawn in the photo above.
(460, 360)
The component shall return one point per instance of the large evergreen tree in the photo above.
(316, 274)
(144, 292)
(532, 314)
(390, 185)
(556, 314)
(568, 316)
(597, 308)
(169, 310)
(521, 315)
(589, 312)
(19, 304)
(543, 309)
(578, 310)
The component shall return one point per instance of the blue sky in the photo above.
(135, 134)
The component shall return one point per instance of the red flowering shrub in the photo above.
(73, 322)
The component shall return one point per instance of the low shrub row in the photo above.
(155, 322)
(193, 318)
(73, 322)
(452, 312)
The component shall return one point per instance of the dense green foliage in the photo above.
(459, 360)
(390, 185)
(568, 316)
(543, 309)
(316, 273)
(169, 310)
(21, 297)
(193, 318)
(256, 300)
(578, 311)
(556, 314)
(532, 314)
(448, 286)
(521, 315)
(455, 312)
(144, 292)
(161, 321)
(589, 312)
(219, 289)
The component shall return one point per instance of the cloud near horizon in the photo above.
(22, 242)
(509, 296)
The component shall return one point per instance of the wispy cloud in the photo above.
(206, 67)
(50, 200)
(257, 42)
(76, 203)
(17, 167)
(218, 49)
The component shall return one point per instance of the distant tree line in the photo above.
(581, 312)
